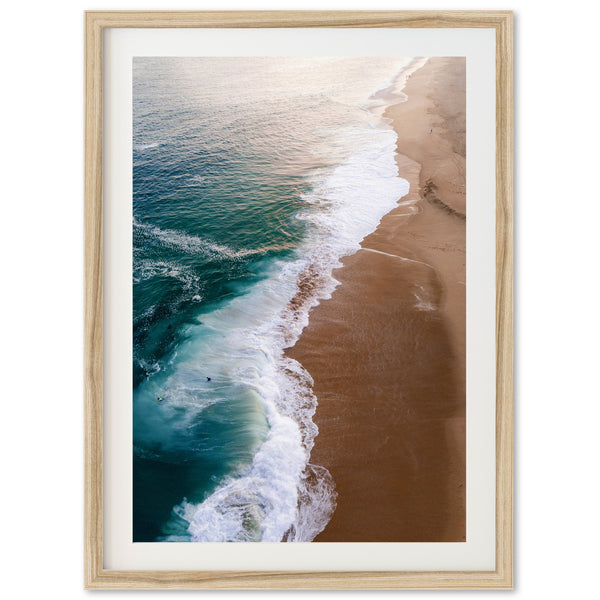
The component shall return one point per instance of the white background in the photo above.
(557, 325)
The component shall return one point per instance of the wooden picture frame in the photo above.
(96, 576)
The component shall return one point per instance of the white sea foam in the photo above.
(142, 147)
(380, 100)
(147, 269)
(406, 74)
(171, 238)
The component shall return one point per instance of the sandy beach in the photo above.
(387, 351)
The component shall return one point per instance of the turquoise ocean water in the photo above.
(252, 177)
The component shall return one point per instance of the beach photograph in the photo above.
(299, 313)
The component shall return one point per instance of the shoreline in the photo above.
(387, 350)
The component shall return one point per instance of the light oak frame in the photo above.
(96, 577)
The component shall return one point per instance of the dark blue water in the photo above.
(251, 177)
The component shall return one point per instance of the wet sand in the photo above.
(387, 351)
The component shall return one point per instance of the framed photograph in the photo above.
(298, 319)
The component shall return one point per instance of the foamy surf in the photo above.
(142, 147)
(189, 243)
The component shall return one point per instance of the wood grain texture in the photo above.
(95, 576)
(246, 19)
(504, 300)
(93, 301)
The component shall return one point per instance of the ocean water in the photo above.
(252, 177)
